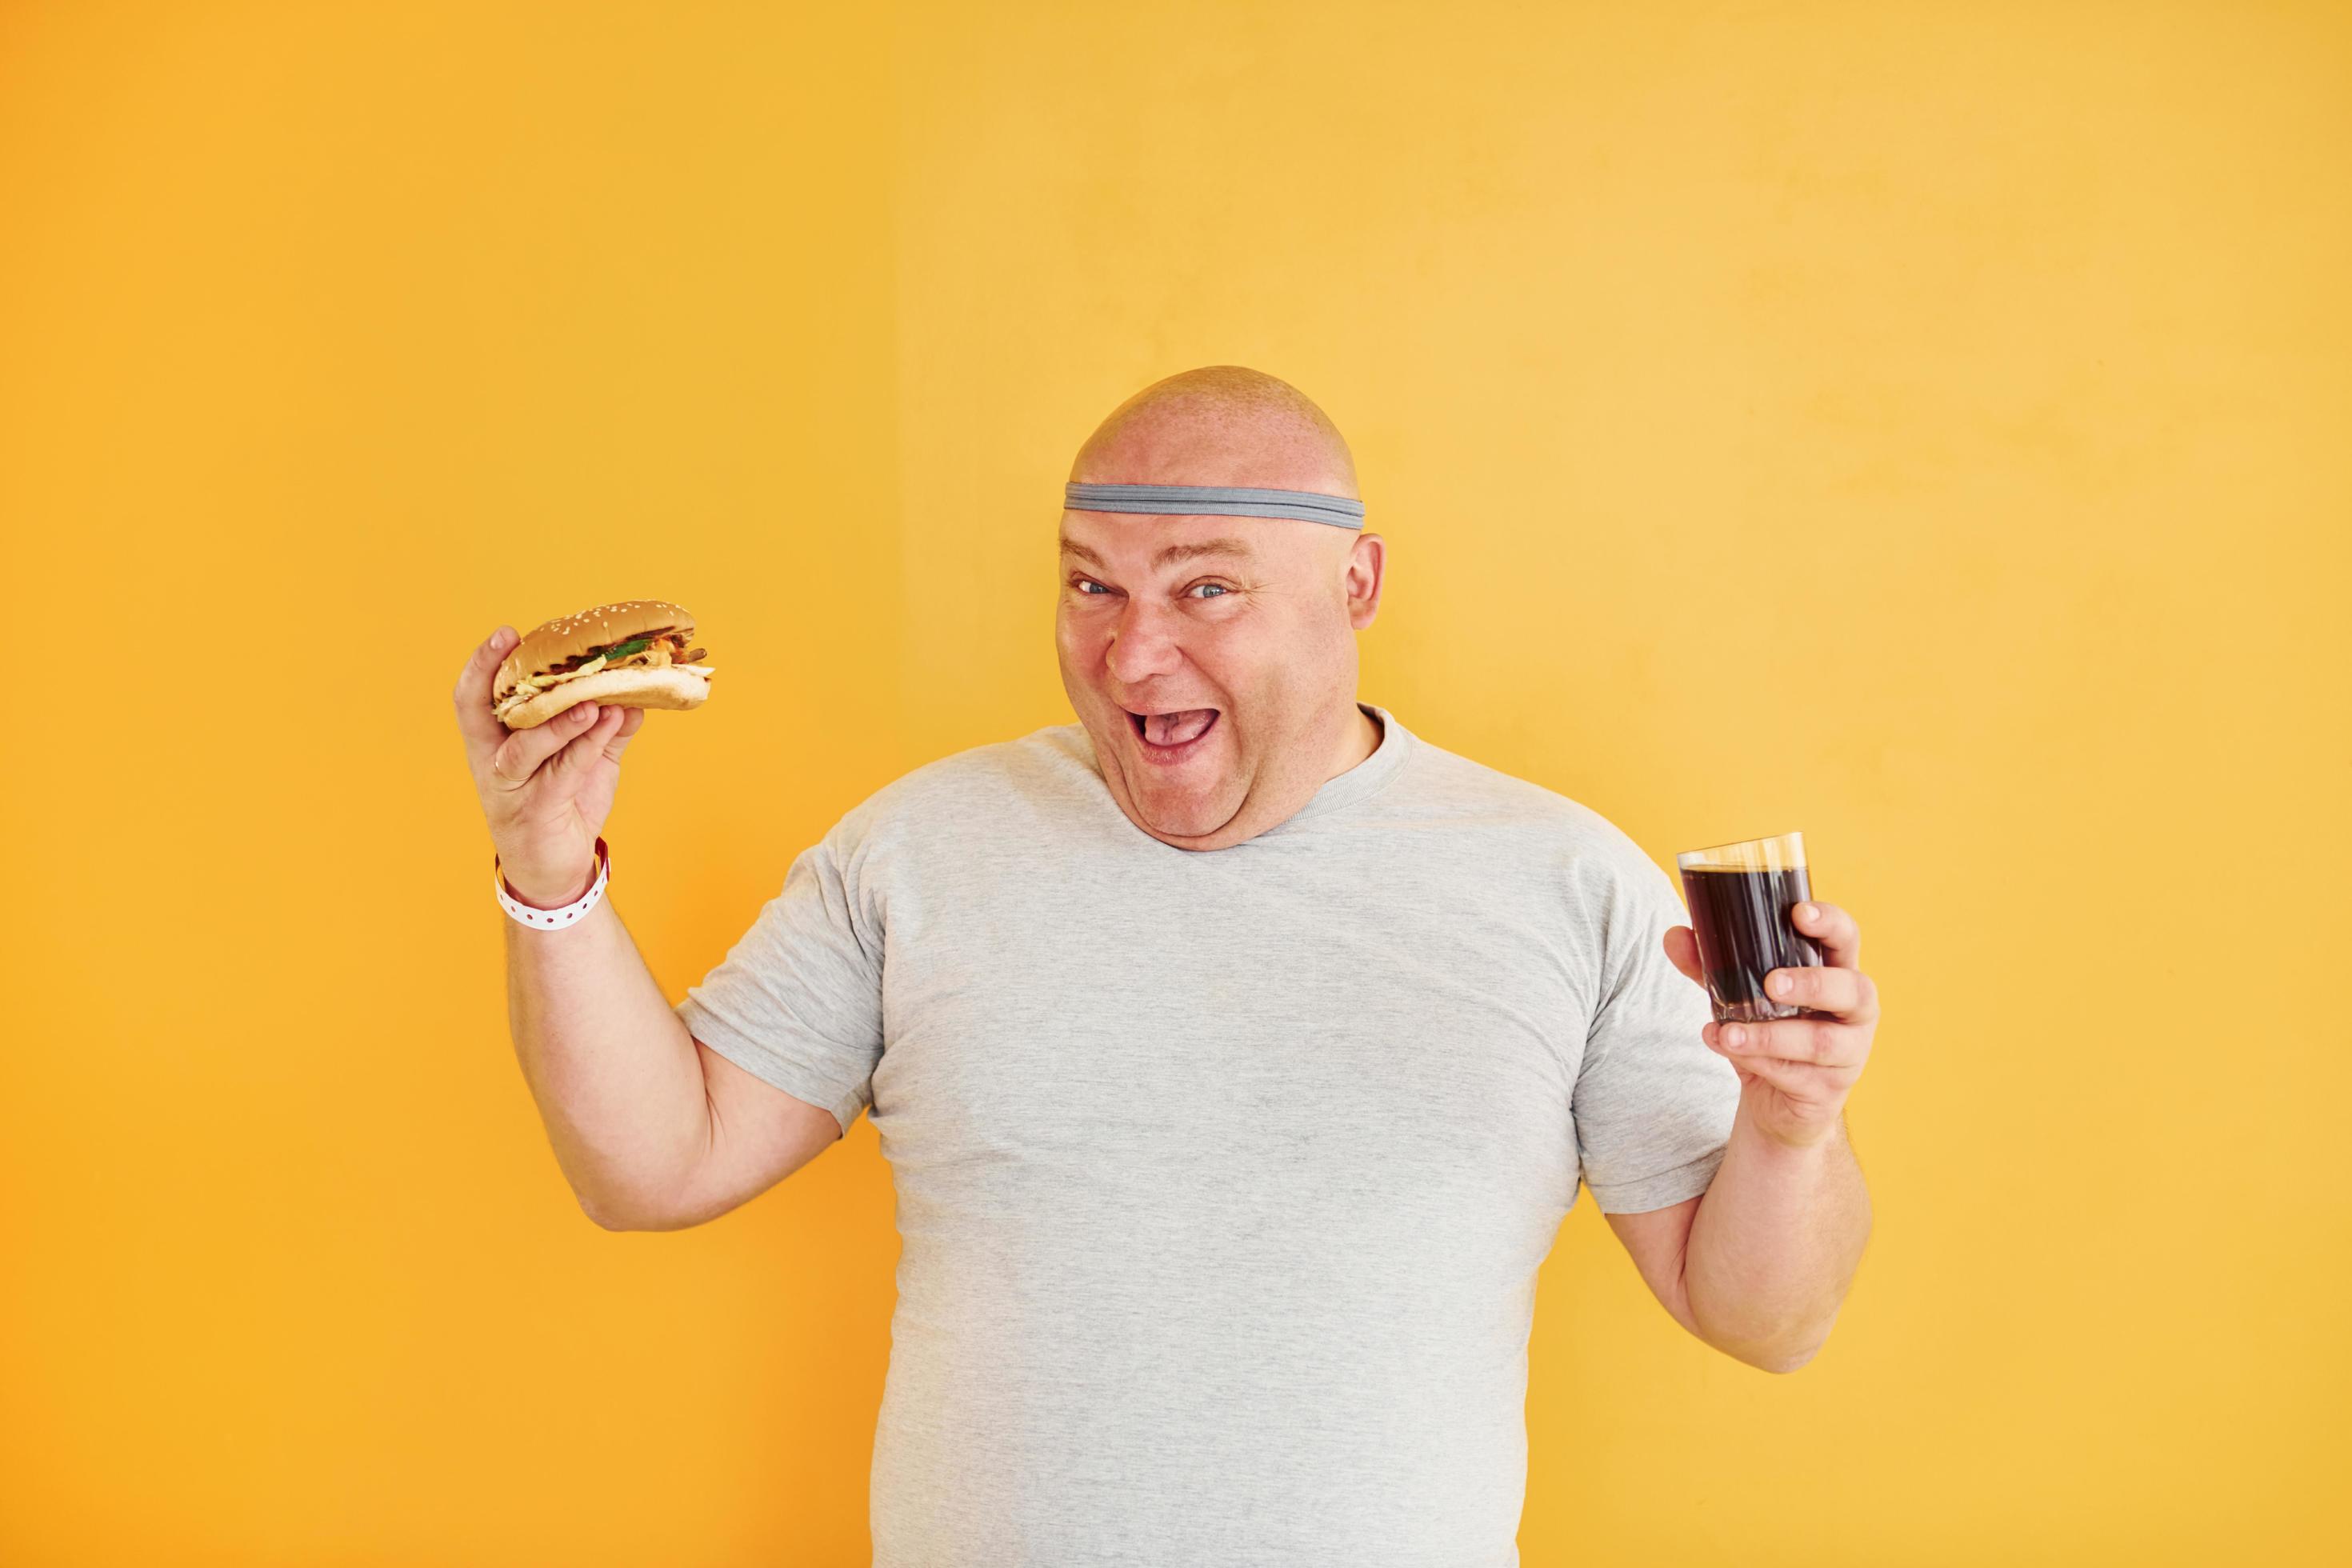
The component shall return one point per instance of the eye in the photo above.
(1086, 587)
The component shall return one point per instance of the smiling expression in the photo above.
(1212, 660)
(1230, 640)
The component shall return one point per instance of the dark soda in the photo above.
(1745, 932)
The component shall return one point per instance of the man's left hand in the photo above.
(1795, 1073)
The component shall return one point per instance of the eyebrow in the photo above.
(1171, 553)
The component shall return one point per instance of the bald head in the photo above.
(1219, 425)
(1212, 659)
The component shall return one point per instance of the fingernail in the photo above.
(1780, 984)
(1806, 911)
(1735, 1037)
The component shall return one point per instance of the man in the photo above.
(1236, 1054)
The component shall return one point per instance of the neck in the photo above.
(1358, 740)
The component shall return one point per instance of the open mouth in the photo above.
(1166, 735)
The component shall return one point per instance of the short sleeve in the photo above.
(1653, 1105)
(797, 1002)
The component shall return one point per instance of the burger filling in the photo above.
(654, 650)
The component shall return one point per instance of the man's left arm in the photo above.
(1757, 1265)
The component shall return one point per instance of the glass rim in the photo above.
(1769, 843)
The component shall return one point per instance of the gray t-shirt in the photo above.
(1223, 1177)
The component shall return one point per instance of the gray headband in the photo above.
(1216, 501)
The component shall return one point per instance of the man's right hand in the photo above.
(546, 791)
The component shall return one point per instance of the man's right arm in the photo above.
(654, 1130)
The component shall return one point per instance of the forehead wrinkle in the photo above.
(1171, 553)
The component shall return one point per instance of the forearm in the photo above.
(617, 1075)
(1774, 1245)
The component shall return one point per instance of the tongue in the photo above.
(1175, 729)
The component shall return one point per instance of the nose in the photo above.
(1143, 643)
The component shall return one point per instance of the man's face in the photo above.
(1247, 623)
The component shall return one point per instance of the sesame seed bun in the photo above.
(547, 647)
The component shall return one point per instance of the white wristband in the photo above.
(548, 920)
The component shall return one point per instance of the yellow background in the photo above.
(1921, 427)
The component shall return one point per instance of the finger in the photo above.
(1682, 951)
(573, 764)
(1819, 1042)
(1835, 929)
(1807, 1084)
(632, 721)
(518, 756)
(472, 695)
(1848, 992)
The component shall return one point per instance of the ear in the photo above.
(1367, 567)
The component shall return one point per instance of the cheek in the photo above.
(1082, 653)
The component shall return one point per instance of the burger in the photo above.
(639, 653)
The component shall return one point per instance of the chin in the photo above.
(1186, 822)
(1182, 813)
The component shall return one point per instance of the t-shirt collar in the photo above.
(1360, 782)
(1336, 793)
